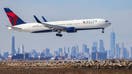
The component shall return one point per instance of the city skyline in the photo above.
(99, 44)
(95, 52)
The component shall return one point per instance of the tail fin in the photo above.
(44, 19)
(13, 18)
(37, 19)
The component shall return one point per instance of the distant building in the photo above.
(94, 47)
(125, 53)
(23, 51)
(18, 57)
(74, 52)
(27, 56)
(101, 54)
(47, 52)
(48, 55)
(60, 52)
(18, 51)
(94, 51)
(112, 45)
(56, 53)
(118, 51)
(131, 52)
(5, 55)
(13, 50)
(66, 51)
(85, 52)
(34, 54)
(101, 46)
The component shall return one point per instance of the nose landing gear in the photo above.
(102, 30)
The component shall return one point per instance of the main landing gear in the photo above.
(59, 34)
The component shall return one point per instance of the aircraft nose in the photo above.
(108, 22)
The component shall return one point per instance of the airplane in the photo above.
(69, 26)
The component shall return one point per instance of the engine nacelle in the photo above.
(71, 30)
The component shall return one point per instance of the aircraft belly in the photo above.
(32, 29)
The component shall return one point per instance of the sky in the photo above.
(119, 12)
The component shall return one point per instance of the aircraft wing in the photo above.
(55, 27)
(50, 26)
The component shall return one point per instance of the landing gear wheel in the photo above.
(58, 34)
(103, 30)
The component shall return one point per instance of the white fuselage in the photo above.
(84, 24)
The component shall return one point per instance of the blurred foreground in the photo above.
(66, 67)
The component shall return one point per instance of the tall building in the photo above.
(74, 52)
(5, 55)
(60, 50)
(23, 51)
(112, 45)
(47, 53)
(13, 50)
(94, 55)
(94, 47)
(101, 46)
(125, 53)
(56, 53)
(85, 51)
(118, 51)
(65, 52)
(34, 54)
(18, 51)
(131, 52)
(102, 54)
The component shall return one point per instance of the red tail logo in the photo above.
(13, 18)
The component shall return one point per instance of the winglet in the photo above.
(44, 19)
(37, 19)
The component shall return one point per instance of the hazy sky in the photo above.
(119, 12)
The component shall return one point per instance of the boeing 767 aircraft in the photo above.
(70, 26)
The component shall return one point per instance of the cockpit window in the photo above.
(106, 21)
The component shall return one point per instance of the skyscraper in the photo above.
(13, 51)
(118, 51)
(47, 52)
(101, 46)
(125, 53)
(23, 51)
(112, 45)
(94, 47)
(102, 54)
(131, 52)
(74, 52)
(85, 51)
(94, 51)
